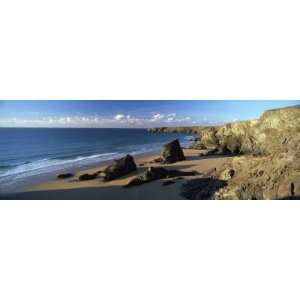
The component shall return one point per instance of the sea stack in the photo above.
(120, 167)
(172, 152)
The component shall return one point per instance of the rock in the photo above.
(168, 182)
(120, 167)
(172, 152)
(201, 188)
(270, 165)
(84, 177)
(65, 175)
(227, 174)
(155, 173)
(158, 160)
(231, 144)
(261, 177)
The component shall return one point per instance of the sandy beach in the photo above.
(72, 188)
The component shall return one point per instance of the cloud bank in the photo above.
(117, 121)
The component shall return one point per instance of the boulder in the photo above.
(172, 152)
(84, 177)
(155, 173)
(65, 175)
(119, 168)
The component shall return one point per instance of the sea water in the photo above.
(33, 153)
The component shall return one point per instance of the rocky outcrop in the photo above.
(274, 130)
(268, 161)
(155, 173)
(273, 176)
(120, 167)
(172, 152)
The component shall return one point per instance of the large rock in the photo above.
(120, 167)
(155, 173)
(172, 152)
(65, 175)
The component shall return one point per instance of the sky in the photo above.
(131, 114)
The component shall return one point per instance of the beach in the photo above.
(72, 188)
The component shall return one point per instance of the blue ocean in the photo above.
(28, 154)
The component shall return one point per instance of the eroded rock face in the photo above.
(270, 132)
(275, 176)
(120, 167)
(172, 152)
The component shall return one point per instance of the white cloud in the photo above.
(157, 117)
(116, 121)
(119, 117)
(171, 117)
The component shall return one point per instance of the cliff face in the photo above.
(275, 129)
(270, 166)
(272, 130)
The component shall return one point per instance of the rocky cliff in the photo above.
(267, 161)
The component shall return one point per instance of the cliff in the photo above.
(188, 130)
(267, 161)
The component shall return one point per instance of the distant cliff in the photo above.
(188, 130)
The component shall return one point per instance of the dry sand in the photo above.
(72, 188)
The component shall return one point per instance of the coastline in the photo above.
(38, 179)
(72, 188)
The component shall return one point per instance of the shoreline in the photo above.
(74, 189)
(34, 180)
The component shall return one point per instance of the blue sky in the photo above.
(130, 113)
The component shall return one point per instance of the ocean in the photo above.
(30, 155)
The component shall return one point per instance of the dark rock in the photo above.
(155, 173)
(158, 160)
(120, 167)
(201, 188)
(168, 182)
(84, 177)
(66, 175)
(172, 152)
